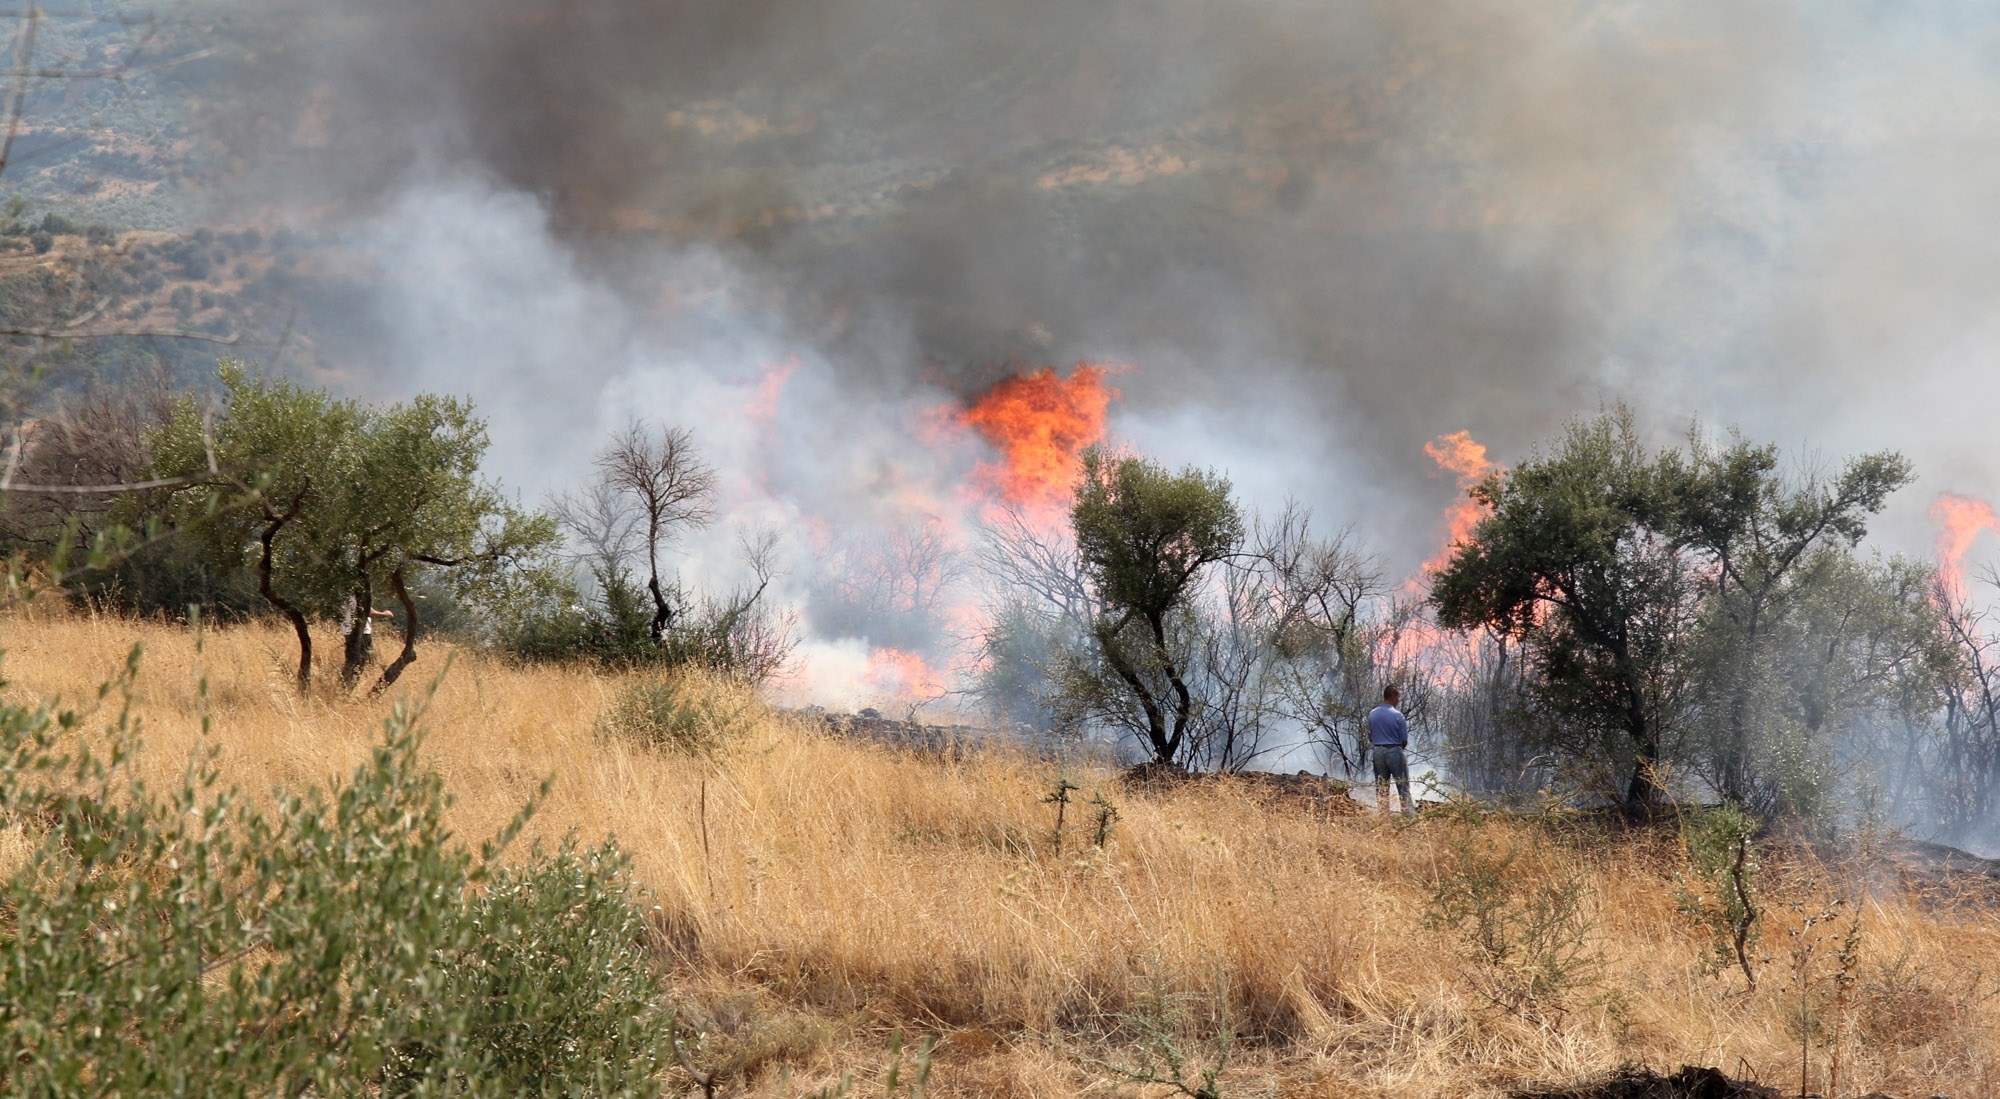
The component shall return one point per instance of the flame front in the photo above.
(1960, 519)
(903, 675)
(1459, 454)
(1040, 423)
(770, 389)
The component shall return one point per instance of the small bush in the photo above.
(1526, 928)
(1905, 1004)
(1717, 890)
(552, 980)
(740, 637)
(339, 942)
(682, 711)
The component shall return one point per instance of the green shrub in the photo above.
(1525, 928)
(338, 942)
(681, 711)
(611, 630)
(740, 637)
(1717, 890)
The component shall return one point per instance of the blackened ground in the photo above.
(944, 740)
(1690, 1082)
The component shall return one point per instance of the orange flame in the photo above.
(1041, 424)
(905, 675)
(763, 408)
(1959, 520)
(1457, 453)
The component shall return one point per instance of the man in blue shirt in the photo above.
(1388, 735)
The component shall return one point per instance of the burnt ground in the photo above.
(1689, 1082)
(949, 741)
(1945, 876)
(955, 741)
(1936, 867)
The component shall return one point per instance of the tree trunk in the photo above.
(360, 640)
(1736, 749)
(274, 522)
(1156, 721)
(663, 615)
(1183, 701)
(409, 654)
(1644, 790)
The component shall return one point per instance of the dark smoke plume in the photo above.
(1324, 232)
(1410, 211)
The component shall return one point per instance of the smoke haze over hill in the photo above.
(1322, 234)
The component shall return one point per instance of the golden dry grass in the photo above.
(816, 895)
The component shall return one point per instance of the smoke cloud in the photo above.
(1323, 233)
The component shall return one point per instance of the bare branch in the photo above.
(672, 486)
(597, 517)
(107, 490)
(24, 53)
(116, 333)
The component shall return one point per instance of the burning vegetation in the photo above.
(1692, 746)
(1040, 423)
(1663, 681)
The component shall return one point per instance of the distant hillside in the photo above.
(98, 304)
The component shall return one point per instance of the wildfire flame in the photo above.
(1959, 520)
(1459, 454)
(1041, 424)
(905, 675)
(770, 389)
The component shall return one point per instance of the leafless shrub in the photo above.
(97, 438)
(662, 476)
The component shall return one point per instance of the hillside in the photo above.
(818, 895)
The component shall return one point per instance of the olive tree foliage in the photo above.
(1572, 561)
(1855, 644)
(1697, 611)
(417, 507)
(330, 941)
(1781, 587)
(351, 502)
(293, 446)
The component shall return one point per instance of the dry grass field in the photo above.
(816, 896)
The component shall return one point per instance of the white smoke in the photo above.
(483, 301)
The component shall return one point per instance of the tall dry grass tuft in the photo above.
(816, 895)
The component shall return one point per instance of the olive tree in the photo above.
(291, 447)
(1774, 542)
(1700, 606)
(1275, 640)
(415, 504)
(350, 500)
(1572, 559)
(1144, 536)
